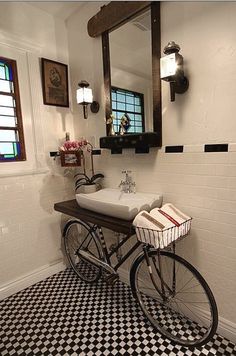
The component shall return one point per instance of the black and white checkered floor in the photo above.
(65, 316)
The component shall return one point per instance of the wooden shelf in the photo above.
(71, 208)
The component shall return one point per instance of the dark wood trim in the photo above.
(107, 75)
(133, 140)
(19, 127)
(113, 15)
(124, 11)
(156, 55)
(71, 208)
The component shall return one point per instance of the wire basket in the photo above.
(161, 239)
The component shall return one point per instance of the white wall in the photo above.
(201, 184)
(29, 227)
(85, 58)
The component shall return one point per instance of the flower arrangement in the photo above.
(85, 180)
(82, 146)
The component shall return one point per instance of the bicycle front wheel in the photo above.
(78, 236)
(177, 301)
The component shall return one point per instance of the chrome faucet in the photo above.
(127, 185)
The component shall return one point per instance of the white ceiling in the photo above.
(61, 9)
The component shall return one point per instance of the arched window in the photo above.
(12, 147)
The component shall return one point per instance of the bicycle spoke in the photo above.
(80, 236)
(192, 312)
(185, 314)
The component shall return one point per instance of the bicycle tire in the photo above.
(165, 313)
(78, 234)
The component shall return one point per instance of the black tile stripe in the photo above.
(174, 149)
(219, 147)
(54, 153)
(96, 152)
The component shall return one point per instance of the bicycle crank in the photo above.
(111, 278)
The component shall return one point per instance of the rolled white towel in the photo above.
(156, 214)
(179, 217)
(161, 226)
(149, 229)
(175, 213)
(145, 220)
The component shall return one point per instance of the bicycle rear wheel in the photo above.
(78, 236)
(180, 304)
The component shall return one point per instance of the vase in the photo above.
(90, 188)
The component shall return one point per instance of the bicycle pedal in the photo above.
(111, 278)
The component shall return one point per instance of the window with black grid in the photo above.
(131, 103)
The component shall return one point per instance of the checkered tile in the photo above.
(63, 315)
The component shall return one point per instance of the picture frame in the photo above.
(70, 158)
(55, 83)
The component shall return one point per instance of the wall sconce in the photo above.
(84, 97)
(172, 70)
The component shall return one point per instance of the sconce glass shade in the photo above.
(168, 66)
(84, 96)
(172, 70)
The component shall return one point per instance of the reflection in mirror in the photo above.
(131, 75)
(131, 44)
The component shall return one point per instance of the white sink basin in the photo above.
(121, 205)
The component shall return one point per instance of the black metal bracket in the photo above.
(179, 86)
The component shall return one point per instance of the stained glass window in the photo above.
(131, 103)
(11, 130)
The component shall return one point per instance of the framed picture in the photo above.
(55, 83)
(70, 158)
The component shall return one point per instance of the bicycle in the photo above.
(172, 294)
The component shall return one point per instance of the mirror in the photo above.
(131, 74)
(131, 63)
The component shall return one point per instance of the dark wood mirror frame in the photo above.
(106, 20)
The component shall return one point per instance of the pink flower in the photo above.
(74, 144)
(67, 145)
(77, 145)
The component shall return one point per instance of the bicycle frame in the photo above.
(108, 255)
(98, 233)
(149, 267)
(97, 230)
(164, 286)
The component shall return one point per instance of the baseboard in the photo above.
(227, 329)
(28, 280)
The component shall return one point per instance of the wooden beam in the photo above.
(113, 15)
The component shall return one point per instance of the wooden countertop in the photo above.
(71, 208)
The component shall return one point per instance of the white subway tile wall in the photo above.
(202, 185)
(29, 227)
